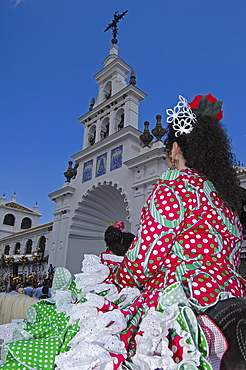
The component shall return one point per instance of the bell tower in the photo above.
(117, 102)
(113, 173)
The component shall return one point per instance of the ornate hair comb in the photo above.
(181, 117)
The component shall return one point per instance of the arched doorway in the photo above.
(41, 245)
(17, 248)
(101, 204)
(28, 246)
(6, 250)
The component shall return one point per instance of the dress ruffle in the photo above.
(107, 329)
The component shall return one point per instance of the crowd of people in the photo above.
(32, 289)
(144, 303)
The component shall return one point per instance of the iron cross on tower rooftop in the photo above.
(114, 27)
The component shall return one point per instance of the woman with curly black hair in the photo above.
(189, 237)
(117, 241)
(189, 229)
(114, 240)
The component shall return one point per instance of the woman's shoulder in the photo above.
(181, 175)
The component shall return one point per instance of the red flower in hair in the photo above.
(207, 105)
(119, 225)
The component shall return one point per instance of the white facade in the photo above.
(14, 217)
(20, 235)
(241, 174)
(27, 243)
(114, 175)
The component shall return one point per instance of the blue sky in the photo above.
(50, 50)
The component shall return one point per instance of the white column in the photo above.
(139, 200)
(59, 237)
(85, 138)
(98, 130)
(131, 113)
(111, 122)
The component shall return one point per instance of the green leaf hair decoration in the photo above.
(207, 108)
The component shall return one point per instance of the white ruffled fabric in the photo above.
(152, 346)
(90, 347)
(93, 346)
(7, 330)
(97, 337)
(112, 258)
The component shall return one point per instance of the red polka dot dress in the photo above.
(112, 261)
(186, 235)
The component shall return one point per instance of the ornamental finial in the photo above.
(158, 131)
(133, 80)
(71, 172)
(146, 136)
(114, 27)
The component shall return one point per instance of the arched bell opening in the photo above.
(104, 128)
(92, 135)
(119, 119)
(107, 90)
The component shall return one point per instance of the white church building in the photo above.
(108, 180)
(115, 173)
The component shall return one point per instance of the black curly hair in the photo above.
(117, 241)
(207, 150)
(127, 240)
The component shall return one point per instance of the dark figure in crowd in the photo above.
(28, 289)
(51, 270)
(38, 292)
(12, 289)
(45, 292)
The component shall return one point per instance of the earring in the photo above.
(173, 166)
